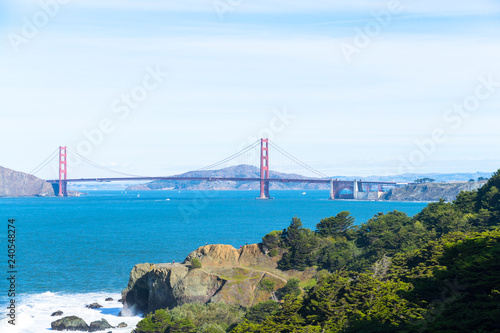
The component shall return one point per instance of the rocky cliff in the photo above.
(430, 191)
(19, 184)
(226, 275)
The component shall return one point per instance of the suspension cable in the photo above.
(296, 160)
(44, 163)
(227, 159)
(100, 166)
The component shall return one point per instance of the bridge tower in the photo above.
(264, 169)
(63, 172)
(332, 193)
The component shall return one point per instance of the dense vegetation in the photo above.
(438, 271)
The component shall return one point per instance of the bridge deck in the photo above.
(274, 180)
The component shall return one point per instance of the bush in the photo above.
(195, 263)
(273, 253)
(192, 317)
(273, 239)
(267, 285)
(258, 313)
(291, 288)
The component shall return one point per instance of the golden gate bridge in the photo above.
(356, 189)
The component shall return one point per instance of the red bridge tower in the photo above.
(264, 169)
(63, 172)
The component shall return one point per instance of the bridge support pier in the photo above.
(332, 193)
(355, 190)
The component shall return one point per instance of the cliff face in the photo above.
(430, 191)
(19, 184)
(227, 275)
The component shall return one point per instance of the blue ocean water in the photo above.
(90, 243)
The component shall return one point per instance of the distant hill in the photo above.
(19, 184)
(240, 171)
(247, 171)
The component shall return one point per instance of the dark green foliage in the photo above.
(272, 240)
(456, 280)
(195, 263)
(302, 244)
(387, 234)
(337, 226)
(466, 202)
(258, 313)
(337, 254)
(273, 252)
(154, 323)
(267, 285)
(291, 288)
(181, 325)
(199, 318)
(488, 199)
(443, 217)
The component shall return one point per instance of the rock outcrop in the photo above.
(19, 184)
(430, 191)
(226, 275)
(70, 323)
(99, 325)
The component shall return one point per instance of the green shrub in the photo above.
(273, 239)
(267, 285)
(291, 288)
(156, 322)
(195, 263)
(273, 253)
(258, 313)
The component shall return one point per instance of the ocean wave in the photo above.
(33, 311)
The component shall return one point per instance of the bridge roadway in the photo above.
(233, 179)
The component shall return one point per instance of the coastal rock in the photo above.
(121, 325)
(19, 184)
(70, 323)
(109, 299)
(57, 313)
(99, 325)
(93, 306)
(226, 275)
(430, 191)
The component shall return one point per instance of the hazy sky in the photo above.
(361, 87)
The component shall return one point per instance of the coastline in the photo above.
(34, 311)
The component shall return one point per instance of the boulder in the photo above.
(121, 325)
(109, 299)
(93, 306)
(99, 325)
(57, 313)
(70, 323)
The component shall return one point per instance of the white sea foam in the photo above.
(33, 312)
